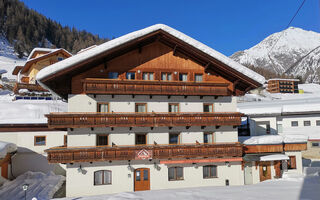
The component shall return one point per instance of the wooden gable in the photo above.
(156, 58)
(152, 52)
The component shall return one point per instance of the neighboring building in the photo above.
(2, 71)
(31, 140)
(285, 117)
(279, 85)
(154, 109)
(6, 152)
(38, 59)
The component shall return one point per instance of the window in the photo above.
(210, 171)
(315, 144)
(318, 123)
(141, 107)
(102, 140)
(130, 76)
(65, 140)
(173, 107)
(39, 140)
(174, 138)
(141, 139)
(207, 138)
(279, 127)
(166, 77)
(103, 107)
(60, 58)
(113, 75)
(175, 173)
(292, 162)
(306, 123)
(208, 107)
(183, 77)
(294, 123)
(102, 177)
(147, 76)
(198, 77)
(268, 128)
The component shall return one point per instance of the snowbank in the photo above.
(6, 147)
(42, 186)
(274, 139)
(274, 157)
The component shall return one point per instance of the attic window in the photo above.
(113, 75)
(60, 58)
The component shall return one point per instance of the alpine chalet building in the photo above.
(153, 109)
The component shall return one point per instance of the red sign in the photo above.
(143, 154)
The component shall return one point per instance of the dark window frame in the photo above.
(178, 134)
(210, 175)
(103, 103)
(102, 177)
(208, 104)
(141, 134)
(293, 123)
(40, 136)
(207, 133)
(175, 177)
(305, 123)
(139, 104)
(174, 104)
(98, 139)
(134, 75)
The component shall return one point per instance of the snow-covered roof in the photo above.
(137, 34)
(6, 147)
(40, 49)
(280, 107)
(273, 139)
(274, 157)
(283, 79)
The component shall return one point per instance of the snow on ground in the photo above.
(27, 111)
(8, 58)
(42, 186)
(6, 147)
(289, 188)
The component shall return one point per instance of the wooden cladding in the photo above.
(132, 87)
(91, 154)
(83, 120)
(273, 148)
(30, 87)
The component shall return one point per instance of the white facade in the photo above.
(123, 178)
(31, 157)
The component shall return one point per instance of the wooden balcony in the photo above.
(136, 87)
(274, 148)
(85, 120)
(30, 87)
(106, 153)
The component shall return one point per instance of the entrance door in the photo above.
(141, 179)
(277, 168)
(265, 171)
(248, 173)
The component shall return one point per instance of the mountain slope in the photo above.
(296, 53)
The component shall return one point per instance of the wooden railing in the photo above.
(83, 120)
(96, 153)
(132, 87)
(30, 87)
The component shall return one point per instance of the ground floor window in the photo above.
(102, 177)
(210, 171)
(292, 162)
(39, 140)
(175, 173)
(315, 144)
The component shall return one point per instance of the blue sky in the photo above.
(225, 25)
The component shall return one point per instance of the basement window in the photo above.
(39, 140)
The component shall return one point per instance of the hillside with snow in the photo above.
(294, 52)
(8, 58)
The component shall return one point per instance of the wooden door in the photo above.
(277, 168)
(142, 179)
(4, 170)
(265, 171)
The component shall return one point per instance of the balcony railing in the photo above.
(30, 87)
(105, 153)
(83, 120)
(135, 87)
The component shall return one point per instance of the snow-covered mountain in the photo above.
(8, 58)
(297, 53)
